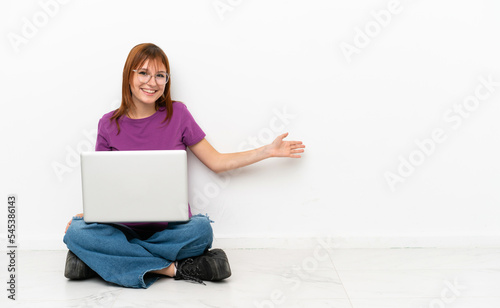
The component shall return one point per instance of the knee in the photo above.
(202, 227)
(80, 232)
(74, 230)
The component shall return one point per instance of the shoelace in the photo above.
(188, 274)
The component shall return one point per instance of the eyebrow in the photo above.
(145, 69)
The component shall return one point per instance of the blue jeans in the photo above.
(122, 256)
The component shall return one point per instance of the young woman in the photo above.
(137, 254)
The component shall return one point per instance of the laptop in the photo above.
(134, 186)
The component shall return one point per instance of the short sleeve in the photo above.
(192, 132)
(102, 143)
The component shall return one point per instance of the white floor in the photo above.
(343, 278)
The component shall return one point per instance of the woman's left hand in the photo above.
(280, 148)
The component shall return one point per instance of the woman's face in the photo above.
(147, 92)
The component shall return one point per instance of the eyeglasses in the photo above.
(143, 76)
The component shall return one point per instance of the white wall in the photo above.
(360, 86)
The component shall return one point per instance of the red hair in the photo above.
(136, 58)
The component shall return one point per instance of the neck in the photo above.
(141, 111)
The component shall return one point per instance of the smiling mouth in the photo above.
(149, 91)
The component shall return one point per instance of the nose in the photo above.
(152, 81)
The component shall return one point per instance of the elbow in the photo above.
(218, 165)
(221, 166)
(217, 170)
(214, 167)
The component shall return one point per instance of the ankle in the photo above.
(169, 271)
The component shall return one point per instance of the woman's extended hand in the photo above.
(280, 148)
(69, 223)
(218, 162)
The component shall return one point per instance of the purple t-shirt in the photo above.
(149, 133)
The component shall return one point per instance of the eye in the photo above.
(161, 75)
(142, 73)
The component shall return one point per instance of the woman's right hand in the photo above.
(69, 223)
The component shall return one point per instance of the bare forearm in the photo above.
(218, 162)
(229, 161)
